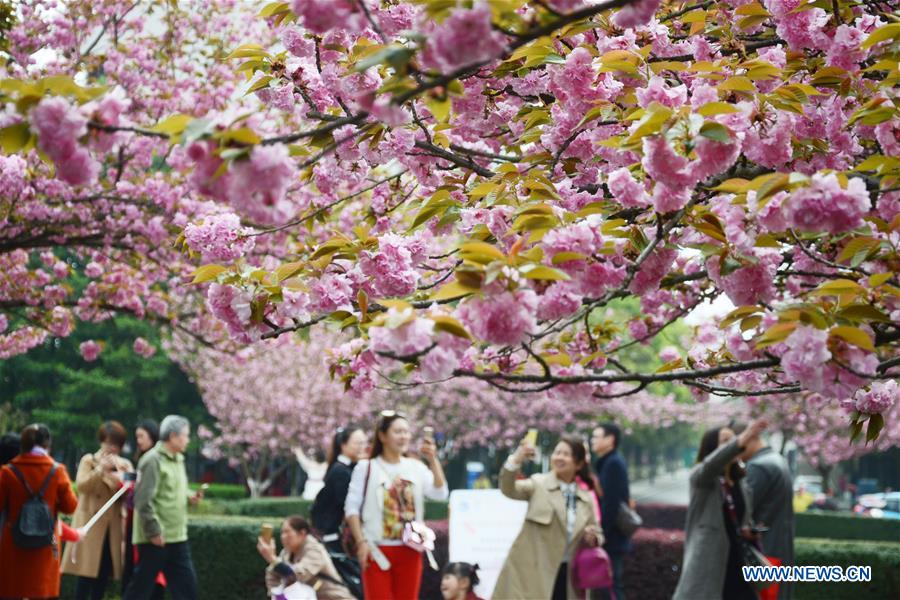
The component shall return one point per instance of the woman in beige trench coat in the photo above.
(98, 556)
(560, 520)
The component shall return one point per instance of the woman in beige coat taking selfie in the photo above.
(98, 556)
(560, 520)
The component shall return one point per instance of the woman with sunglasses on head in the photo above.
(387, 492)
(347, 448)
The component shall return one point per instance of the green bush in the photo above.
(846, 527)
(223, 491)
(883, 557)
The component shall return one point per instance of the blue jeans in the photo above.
(618, 570)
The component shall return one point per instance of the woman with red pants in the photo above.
(387, 492)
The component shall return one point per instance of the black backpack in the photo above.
(35, 527)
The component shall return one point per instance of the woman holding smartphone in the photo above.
(560, 520)
(718, 517)
(98, 556)
(386, 496)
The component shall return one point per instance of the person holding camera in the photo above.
(303, 559)
(98, 556)
(718, 519)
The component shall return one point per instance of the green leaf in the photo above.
(243, 135)
(853, 335)
(248, 51)
(863, 312)
(717, 108)
(173, 125)
(14, 137)
(450, 325)
(440, 108)
(542, 272)
(715, 131)
(651, 123)
(273, 9)
(882, 34)
(207, 273)
(876, 424)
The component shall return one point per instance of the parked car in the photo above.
(879, 506)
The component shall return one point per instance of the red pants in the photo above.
(400, 582)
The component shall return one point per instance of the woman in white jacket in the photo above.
(386, 492)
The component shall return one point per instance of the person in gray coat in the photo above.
(771, 485)
(711, 567)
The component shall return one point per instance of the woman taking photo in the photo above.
(98, 556)
(303, 558)
(32, 572)
(718, 513)
(387, 492)
(561, 519)
(347, 448)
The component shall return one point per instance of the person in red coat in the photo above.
(32, 573)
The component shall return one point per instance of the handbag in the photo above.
(628, 521)
(591, 567)
(751, 555)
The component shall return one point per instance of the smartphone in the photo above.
(265, 532)
(532, 436)
(759, 529)
(428, 433)
(129, 476)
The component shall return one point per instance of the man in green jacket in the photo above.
(160, 507)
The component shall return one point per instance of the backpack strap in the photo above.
(44, 485)
(21, 478)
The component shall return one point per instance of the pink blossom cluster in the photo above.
(505, 318)
(219, 238)
(825, 205)
(879, 398)
(59, 125)
(464, 38)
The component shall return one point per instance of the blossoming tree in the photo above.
(465, 186)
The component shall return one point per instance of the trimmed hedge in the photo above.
(293, 505)
(841, 526)
(653, 568)
(223, 491)
(812, 524)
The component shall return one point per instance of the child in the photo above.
(459, 581)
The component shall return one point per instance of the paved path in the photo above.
(668, 488)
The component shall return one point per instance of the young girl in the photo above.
(459, 581)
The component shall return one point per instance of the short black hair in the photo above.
(613, 430)
(9, 447)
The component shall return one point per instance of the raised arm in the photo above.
(517, 489)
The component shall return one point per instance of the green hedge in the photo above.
(883, 557)
(283, 507)
(223, 491)
(838, 526)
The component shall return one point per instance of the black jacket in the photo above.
(613, 476)
(328, 509)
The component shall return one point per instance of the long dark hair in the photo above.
(708, 444)
(579, 455)
(341, 437)
(463, 569)
(385, 419)
(152, 429)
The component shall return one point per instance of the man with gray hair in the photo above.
(160, 507)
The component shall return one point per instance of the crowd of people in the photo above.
(366, 536)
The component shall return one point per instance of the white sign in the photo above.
(483, 526)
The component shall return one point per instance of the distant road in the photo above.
(668, 488)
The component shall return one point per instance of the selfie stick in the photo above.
(87, 526)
